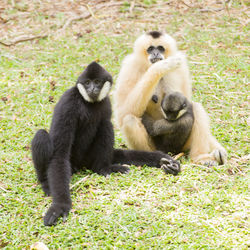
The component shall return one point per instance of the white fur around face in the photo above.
(104, 92)
(181, 113)
(83, 93)
(162, 111)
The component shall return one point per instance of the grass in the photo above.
(202, 208)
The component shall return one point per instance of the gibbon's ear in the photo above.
(83, 92)
(105, 90)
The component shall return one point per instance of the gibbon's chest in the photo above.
(92, 114)
(166, 85)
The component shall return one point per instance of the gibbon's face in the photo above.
(155, 46)
(174, 106)
(94, 83)
(155, 54)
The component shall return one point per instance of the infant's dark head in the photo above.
(175, 105)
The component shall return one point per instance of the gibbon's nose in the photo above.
(94, 95)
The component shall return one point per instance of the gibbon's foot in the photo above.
(45, 187)
(209, 163)
(216, 157)
(220, 156)
(55, 211)
(170, 166)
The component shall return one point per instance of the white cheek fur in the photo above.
(181, 113)
(83, 93)
(162, 111)
(104, 92)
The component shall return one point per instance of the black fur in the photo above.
(81, 135)
(155, 34)
(171, 134)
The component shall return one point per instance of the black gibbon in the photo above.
(156, 66)
(81, 135)
(170, 134)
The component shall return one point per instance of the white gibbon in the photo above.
(157, 67)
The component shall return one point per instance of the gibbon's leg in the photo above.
(156, 159)
(204, 148)
(42, 151)
(135, 134)
(100, 153)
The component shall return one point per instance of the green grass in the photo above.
(202, 208)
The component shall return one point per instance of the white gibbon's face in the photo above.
(155, 46)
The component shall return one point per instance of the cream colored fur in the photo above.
(138, 80)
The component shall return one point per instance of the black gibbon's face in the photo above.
(155, 53)
(94, 83)
(174, 106)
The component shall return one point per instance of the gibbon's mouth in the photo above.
(154, 60)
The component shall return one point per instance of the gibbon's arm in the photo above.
(140, 84)
(59, 170)
(157, 127)
(103, 148)
(62, 132)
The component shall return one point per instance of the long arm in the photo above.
(158, 127)
(140, 88)
(101, 151)
(59, 170)
(152, 159)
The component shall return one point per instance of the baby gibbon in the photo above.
(170, 134)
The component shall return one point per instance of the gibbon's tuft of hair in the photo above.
(146, 40)
(155, 34)
(95, 71)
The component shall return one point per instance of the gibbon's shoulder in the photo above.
(70, 95)
(128, 59)
(133, 62)
(69, 100)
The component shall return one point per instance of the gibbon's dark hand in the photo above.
(170, 166)
(55, 211)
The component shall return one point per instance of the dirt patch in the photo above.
(24, 19)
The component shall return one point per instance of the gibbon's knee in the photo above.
(204, 148)
(199, 138)
(136, 134)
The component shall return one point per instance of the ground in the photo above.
(203, 207)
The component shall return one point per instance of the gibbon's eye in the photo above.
(150, 49)
(98, 82)
(161, 49)
(87, 82)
